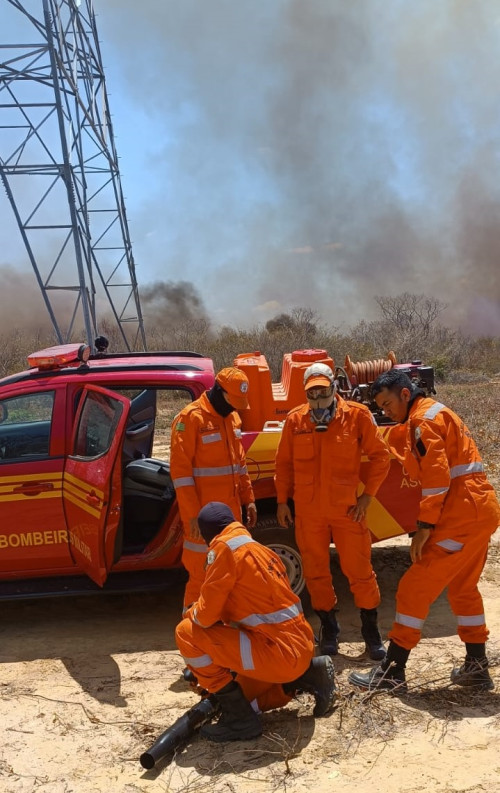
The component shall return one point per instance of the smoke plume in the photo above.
(316, 154)
(321, 153)
(169, 304)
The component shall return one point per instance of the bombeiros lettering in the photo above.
(31, 539)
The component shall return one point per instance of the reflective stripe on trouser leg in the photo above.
(268, 695)
(406, 630)
(465, 599)
(195, 647)
(214, 652)
(313, 537)
(354, 547)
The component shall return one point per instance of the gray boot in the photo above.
(328, 632)
(389, 676)
(371, 634)
(474, 670)
(238, 720)
(318, 680)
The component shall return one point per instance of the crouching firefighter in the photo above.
(246, 639)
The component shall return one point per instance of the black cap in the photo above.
(213, 518)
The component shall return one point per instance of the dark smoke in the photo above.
(168, 304)
(308, 153)
(22, 306)
(319, 153)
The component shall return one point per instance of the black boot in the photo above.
(389, 676)
(328, 632)
(474, 670)
(238, 720)
(371, 634)
(318, 680)
(189, 676)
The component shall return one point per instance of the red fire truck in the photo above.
(86, 499)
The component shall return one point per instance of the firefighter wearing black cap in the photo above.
(246, 639)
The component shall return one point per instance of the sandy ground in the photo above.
(87, 684)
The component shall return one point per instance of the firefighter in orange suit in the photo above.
(318, 465)
(458, 514)
(207, 462)
(246, 637)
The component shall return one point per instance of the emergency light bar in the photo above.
(57, 357)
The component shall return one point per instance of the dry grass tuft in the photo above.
(361, 725)
(431, 703)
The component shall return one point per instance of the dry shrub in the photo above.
(478, 404)
(16, 345)
(416, 335)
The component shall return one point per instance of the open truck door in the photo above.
(92, 489)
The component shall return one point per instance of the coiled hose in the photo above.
(365, 372)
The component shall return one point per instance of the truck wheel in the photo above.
(282, 542)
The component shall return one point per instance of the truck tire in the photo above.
(282, 542)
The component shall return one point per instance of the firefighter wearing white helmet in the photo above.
(318, 465)
(323, 407)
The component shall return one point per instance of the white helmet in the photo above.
(318, 374)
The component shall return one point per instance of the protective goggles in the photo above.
(319, 393)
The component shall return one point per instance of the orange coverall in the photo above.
(320, 471)
(207, 463)
(458, 499)
(247, 620)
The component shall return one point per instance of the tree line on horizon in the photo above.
(409, 325)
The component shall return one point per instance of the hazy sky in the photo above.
(314, 153)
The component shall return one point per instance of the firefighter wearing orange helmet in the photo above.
(246, 639)
(458, 514)
(318, 466)
(207, 462)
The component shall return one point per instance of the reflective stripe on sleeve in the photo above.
(236, 542)
(450, 545)
(432, 412)
(434, 491)
(473, 619)
(468, 468)
(183, 481)
(410, 622)
(198, 547)
(274, 618)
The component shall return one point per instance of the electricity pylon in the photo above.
(59, 167)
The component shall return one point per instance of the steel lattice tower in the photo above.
(59, 167)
